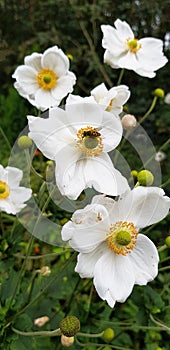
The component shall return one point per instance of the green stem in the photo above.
(22, 270)
(2, 225)
(45, 288)
(161, 249)
(54, 333)
(95, 56)
(159, 323)
(120, 76)
(34, 172)
(5, 138)
(149, 110)
(43, 256)
(88, 335)
(164, 269)
(165, 183)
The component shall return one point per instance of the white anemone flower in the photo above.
(111, 249)
(45, 79)
(12, 195)
(78, 139)
(123, 50)
(110, 100)
(113, 99)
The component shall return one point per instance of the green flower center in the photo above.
(4, 190)
(90, 142)
(133, 45)
(123, 238)
(47, 79)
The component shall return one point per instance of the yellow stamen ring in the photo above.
(4, 190)
(122, 237)
(46, 79)
(133, 45)
(89, 140)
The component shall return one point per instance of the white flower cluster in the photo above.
(78, 139)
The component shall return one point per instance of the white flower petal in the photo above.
(14, 176)
(26, 77)
(55, 59)
(34, 61)
(84, 114)
(99, 92)
(144, 206)
(144, 259)
(14, 202)
(64, 86)
(114, 273)
(50, 135)
(18, 194)
(78, 99)
(100, 173)
(124, 29)
(87, 229)
(86, 261)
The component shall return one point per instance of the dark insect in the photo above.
(91, 133)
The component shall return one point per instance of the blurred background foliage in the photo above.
(28, 26)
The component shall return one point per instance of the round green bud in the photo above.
(134, 173)
(158, 348)
(24, 142)
(108, 334)
(145, 178)
(167, 241)
(159, 93)
(69, 326)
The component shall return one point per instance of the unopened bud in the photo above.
(145, 178)
(108, 334)
(134, 173)
(24, 142)
(45, 271)
(69, 326)
(41, 321)
(67, 341)
(128, 121)
(167, 98)
(159, 93)
(159, 156)
(167, 241)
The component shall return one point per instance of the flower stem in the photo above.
(95, 56)
(22, 270)
(152, 106)
(88, 335)
(159, 323)
(5, 138)
(39, 333)
(120, 76)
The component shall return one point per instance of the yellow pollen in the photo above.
(46, 79)
(89, 140)
(4, 190)
(133, 45)
(122, 237)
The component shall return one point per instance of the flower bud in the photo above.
(69, 326)
(24, 142)
(67, 341)
(159, 156)
(45, 271)
(145, 178)
(134, 173)
(41, 321)
(108, 334)
(159, 93)
(167, 241)
(167, 98)
(128, 121)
